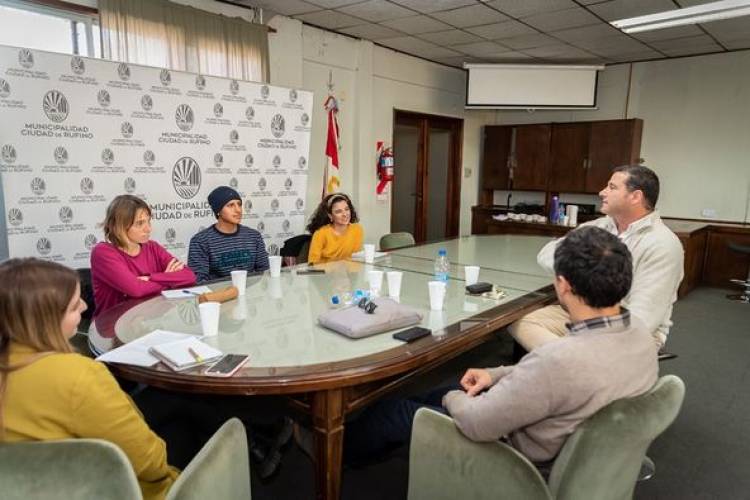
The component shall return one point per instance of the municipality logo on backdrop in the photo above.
(276, 162)
(292, 95)
(165, 77)
(302, 162)
(261, 227)
(103, 98)
(184, 117)
(277, 125)
(262, 183)
(249, 160)
(127, 130)
(15, 217)
(304, 119)
(234, 137)
(233, 183)
(55, 106)
(123, 71)
(186, 177)
(234, 87)
(218, 110)
(248, 205)
(200, 82)
(4, 89)
(108, 157)
(300, 203)
(43, 246)
(218, 160)
(274, 204)
(9, 153)
(77, 66)
(66, 215)
(147, 102)
(129, 185)
(265, 92)
(38, 186)
(249, 113)
(90, 241)
(25, 58)
(288, 183)
(170, 235)
(87, 185)
(149, 158)
(286, 225)
(61, 155)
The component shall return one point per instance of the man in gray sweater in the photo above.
(536, 404)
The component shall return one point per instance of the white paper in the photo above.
(360, 256)
(136, 352)
(179, 352)
(185, 293)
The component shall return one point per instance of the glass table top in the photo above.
(275, 322)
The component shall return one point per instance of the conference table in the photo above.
(323, 374)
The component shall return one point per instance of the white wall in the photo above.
(370, 83)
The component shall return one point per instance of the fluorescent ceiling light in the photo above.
(713, 11)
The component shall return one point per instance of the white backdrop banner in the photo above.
(76, 132)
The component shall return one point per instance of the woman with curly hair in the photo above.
(335, 229)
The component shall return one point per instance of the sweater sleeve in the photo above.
(519, 398)
(358, 238)
(199, 258)
(183, 277)
(316, 247)
(100, 409)
(110, 268)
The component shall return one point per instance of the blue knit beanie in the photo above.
(220, 197)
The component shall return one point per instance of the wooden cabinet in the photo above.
(583, 154)
(532, 157)
(497, 148)
(722, 263)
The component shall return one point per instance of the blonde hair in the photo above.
(120, 217)
(34, 297)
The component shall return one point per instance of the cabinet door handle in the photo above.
(585, 162)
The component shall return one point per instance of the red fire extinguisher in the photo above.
(384, 167)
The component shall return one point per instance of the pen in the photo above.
(195, 355)
(190, 292)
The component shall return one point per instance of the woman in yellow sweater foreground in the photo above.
(335, 232)
(48, 392)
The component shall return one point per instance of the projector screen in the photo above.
(531, 86)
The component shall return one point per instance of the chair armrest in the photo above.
(444, 464)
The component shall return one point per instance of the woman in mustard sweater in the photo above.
(47, 392)
(336, 234)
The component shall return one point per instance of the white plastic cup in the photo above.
(394, 284)
(376, 281)
(209, 312)
(274, 261)
(471, 274)
(239, 312)
(572, 213)
(239, 281)
(369, 253)
(437, 294)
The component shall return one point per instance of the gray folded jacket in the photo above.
(355, 323)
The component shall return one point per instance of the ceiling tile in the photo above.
(329, 19)
(407, 43)
(457, 61)
(643, 55)
(560, 20)
(288, 7)
(481, 49)
(738, 27)
(427, 6)
(332, 4)
(623, 9)
(586, 32)
(434, 52)
(450, 37)
(689, 45)
(476, 15)
(506, 29)
(371, 32)
(416, 25)
(736, 44)
(376, 10)
(528, 41)
(612, 44)
(558, 51)
(522, 8)
(510, 57)
(669, 33)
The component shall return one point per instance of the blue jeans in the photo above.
(386, 426)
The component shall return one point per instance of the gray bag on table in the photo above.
(355, 323)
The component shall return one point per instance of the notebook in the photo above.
(185, 293)
(185, 353)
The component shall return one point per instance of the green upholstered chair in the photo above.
(396, 240)
(220, 470)
(600, 460)
(73, 468)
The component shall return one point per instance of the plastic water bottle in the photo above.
(554, 210)
(442, 266)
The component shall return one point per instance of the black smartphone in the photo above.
(412, 334)
(478, 288)
(227, 365)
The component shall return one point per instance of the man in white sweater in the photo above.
(607, 355)
(629, 202)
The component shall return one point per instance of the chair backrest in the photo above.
(295, 249)
(87, 292)
(396, 240)
(444, 464)
(602, 458)
(72, 468)
(220, 470)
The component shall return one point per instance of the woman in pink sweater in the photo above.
(128, 264)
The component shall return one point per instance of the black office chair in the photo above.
(295, 249)
(743, 297)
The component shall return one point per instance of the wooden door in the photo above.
(569, 150)
(497, 147)
(612, 143)
(532, 154)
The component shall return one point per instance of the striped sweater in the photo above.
(214, 254)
